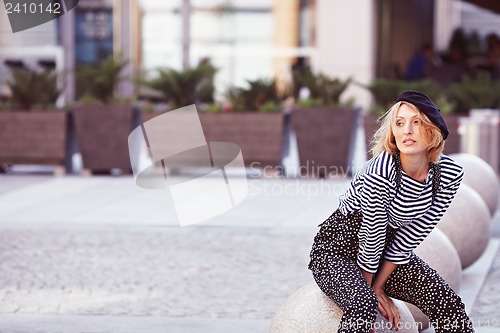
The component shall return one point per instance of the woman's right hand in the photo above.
(387, 308)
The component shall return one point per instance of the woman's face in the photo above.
(409, 132)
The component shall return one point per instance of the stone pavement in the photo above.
(98, 254)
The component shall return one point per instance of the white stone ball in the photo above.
(479, 175)
(439, 253)
(467, 225)
(309, 310)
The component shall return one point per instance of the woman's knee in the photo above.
(440, 295)
(446, 304)
(446, 311)
(363, 301)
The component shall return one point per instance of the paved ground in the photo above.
(98, 254)
(485, 311)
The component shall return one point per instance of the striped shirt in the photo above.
(413, 212)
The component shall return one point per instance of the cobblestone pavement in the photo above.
(196, 273)
(486, 310)
(191, 273)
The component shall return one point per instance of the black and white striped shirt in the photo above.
(412, 212)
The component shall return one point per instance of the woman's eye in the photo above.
(399, 124)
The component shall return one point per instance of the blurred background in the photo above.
(265, 56)
(248, 40)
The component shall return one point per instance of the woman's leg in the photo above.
(341, 280)
(419, 284)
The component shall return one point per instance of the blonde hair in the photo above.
(383, 139)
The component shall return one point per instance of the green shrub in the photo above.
(261, 95)
(29, 88)
(270, 106)
(476, 92)
(386, 91)
(212, 108)
(182, 88)
(322, 87)
(309, 103)
(98, 83)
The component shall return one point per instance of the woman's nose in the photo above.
(408, 128)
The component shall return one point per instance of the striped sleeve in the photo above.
(410, 235)
(373, 201)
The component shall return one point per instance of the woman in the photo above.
(363, 253)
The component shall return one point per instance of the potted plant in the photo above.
(32, 131)
(181, 88)
(475, 92)
(324, 127)
(481, 94)
(102, 124)
(186, 87)
(252, 120)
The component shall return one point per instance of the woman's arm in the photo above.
(385, 270)
(385, 304)
(371, 235)
(368, 277)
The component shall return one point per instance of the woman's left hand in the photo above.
(387, 308)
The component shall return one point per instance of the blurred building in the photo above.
(246, 39)
(35, 47)
(238, 37)
(251, 39)
(89, 33)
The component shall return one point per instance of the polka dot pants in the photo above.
(334, 268)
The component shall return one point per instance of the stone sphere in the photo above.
(467, 225)
(481, 177)
(309, 310)
(439, 253)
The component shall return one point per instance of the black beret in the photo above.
(426, 106)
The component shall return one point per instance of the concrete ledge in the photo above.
(473, 277)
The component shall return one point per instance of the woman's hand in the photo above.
(385, 304)
(387, 308)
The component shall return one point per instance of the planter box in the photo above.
(102, 136)
(260, 135)
(33, 137)
(325, 139)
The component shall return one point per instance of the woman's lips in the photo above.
(408, 142)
